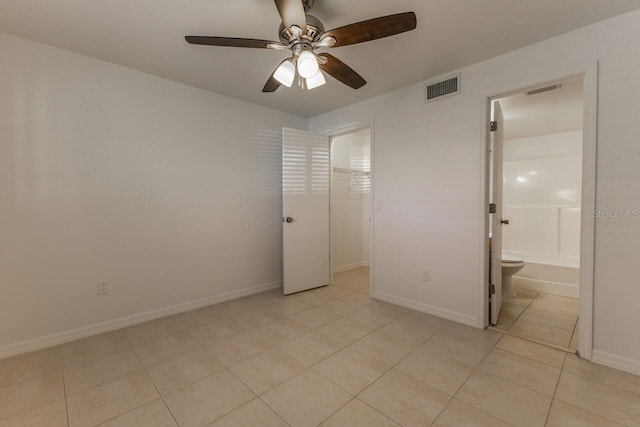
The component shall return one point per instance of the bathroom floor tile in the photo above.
(306, 399)
(358, 414)
(533, 351)
(542, 332)
(556, 304)
(508, 314)
(523, 297)
(405, 400)
(505, 400)
(559, 320)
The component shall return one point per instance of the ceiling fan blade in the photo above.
(292, 13)
(373, 29)
(230, 42)
(272, 85)
(341, 71)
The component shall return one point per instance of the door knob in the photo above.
(504, 221)
(289, 219)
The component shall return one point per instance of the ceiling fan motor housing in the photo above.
(315, 29)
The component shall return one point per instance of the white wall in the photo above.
(430, 182)
(170, 193)
(350, 201)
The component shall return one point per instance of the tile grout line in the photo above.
(64, 388)
(453, 396)
(555, 390)
(157, 391)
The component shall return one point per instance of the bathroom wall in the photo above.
(541, 198)
(350, 201)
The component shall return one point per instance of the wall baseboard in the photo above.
(347, 267)
(426, 308)
(615, 361)
(122, 322)
(554, 288)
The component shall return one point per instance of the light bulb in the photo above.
(307, 64)
(285, 73)
(315, 81)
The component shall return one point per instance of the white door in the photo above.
(305, 209)
(496, 218)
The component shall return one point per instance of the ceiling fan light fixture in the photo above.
(316, 81)
(285, 73)
(307, 64)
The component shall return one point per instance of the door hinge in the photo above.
(493, 126)
(492, 208)
(492, 289)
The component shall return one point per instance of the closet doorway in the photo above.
(350, 209)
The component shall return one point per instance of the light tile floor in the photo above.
(329, 357)
(544, 317)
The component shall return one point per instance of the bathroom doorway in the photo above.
(350, 209)
(537, 156)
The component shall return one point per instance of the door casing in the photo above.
(589, 72)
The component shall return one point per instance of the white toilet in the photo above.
(510, 266)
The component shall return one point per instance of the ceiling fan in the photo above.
(303, 34)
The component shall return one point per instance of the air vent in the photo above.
(442, 88)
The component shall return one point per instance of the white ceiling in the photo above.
(147, 35)
(555, 111)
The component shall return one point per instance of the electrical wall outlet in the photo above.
(426, 276)
(103, 287)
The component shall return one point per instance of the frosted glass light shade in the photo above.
(316, 80)
(307, 64)
(285, 73)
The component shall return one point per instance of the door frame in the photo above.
(332, 133)
(589, 72)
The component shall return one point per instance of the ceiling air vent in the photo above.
(442, 88)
